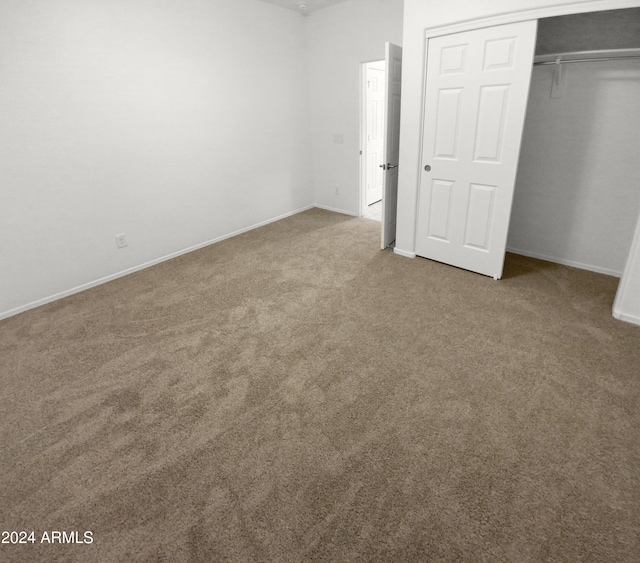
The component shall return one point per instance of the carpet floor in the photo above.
(296, 394)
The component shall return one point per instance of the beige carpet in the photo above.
(296, 394)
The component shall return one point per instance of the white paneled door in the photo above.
(391, 151)
(475, 103)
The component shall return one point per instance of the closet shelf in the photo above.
(587, 56)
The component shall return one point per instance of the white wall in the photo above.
(339, 39)
(418, 16)
(577, 194)
(174, 121)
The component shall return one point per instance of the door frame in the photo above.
(575, 7)
(362, 196)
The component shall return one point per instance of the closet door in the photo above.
(475, 102)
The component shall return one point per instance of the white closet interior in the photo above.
(577, 195)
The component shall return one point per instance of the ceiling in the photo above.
(312, 5)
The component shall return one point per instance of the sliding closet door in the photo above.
(475, 102)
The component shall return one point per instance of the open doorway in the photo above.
(372, 132)
(577, 193)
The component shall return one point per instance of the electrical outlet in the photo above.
(121, 241)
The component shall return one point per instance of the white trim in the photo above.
(335, 210)
(404, 253)
(83, 287)
(617, 314)
(514, 16)
(571, 263)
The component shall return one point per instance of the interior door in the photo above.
(477, 85)
(391, 150)
(375, 131)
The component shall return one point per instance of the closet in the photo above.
(577, 193)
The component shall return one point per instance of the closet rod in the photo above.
(563, 61)
(587, 56)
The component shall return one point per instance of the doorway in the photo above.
(577, 192)
(372, 131)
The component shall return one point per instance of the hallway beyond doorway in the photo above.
(374, 211)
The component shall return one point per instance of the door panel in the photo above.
(448, 121)
(393, 58)
(475, 102)
(452, 59)
(491, 123)
(479, 217)
(440, 210)
(499, 53)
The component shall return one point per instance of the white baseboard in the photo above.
(571, 263)
(624, 317)
(89, 285)
(404, 253)
(342, 211)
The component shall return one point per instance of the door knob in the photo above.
(427, 168)
(383, 166)
(390, 166)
